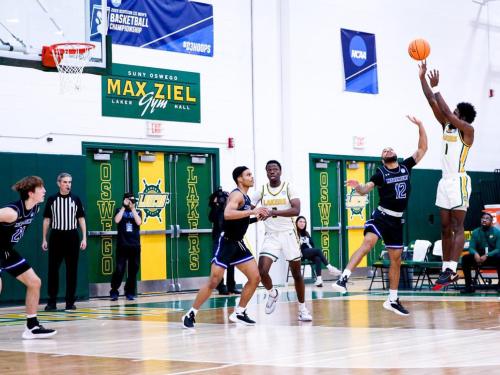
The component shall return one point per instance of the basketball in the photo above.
(419, 49)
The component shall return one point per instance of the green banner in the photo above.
(149, 93)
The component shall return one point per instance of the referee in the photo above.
(63, 212)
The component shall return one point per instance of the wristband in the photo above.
(435, 89)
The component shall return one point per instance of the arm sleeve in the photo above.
(79, 209)
(409, 163)
(496, 250)
(473, 242)
(377, 178)
(47, 212)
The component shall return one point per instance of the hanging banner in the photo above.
(155, 94)
(360, 61)
(176, 25)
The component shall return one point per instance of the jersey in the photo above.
(454, 151)
(280, 198)
(394, 185)
(11, 233)
(236, 229)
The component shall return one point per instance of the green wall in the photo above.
(423, 216)
(14, 166)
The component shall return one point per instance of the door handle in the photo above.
(337, 228)
(177, 231)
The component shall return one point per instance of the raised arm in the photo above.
(422, 139)
(360, 188)
(428, 92)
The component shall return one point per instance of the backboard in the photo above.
(28, 25)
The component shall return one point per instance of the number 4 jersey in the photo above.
(394, 185)
(11, 233)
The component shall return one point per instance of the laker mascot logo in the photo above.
(152, 200)
(356, 203)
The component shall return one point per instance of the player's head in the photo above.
(273, 170)
(30, 186)
(466, 112)
(64, 181)
(389, 155)
(243, 176)
(486, 220)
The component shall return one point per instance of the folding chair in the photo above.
(420, 250)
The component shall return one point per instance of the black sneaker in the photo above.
(188, 320)
(242, 318)
(340, 285)
(38, 332)
(51, 307)
(445, 278)
(234, 291)
(70, 308)
(130, 297)
(396, 307)
(114, 295)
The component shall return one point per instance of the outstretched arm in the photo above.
(360, 188)
(434, 79)
(422, 139)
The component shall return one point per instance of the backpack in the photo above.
(217, 203)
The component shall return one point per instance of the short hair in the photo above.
(129, 195)
(61, 175)
(274, 162)
(27, 184)
(466, 111)
(487, 214)
(238, 171)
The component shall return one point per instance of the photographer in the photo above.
(128, 247)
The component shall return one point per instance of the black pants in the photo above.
(129, 256)
(316, 256)
(63, 245)
(468, 263)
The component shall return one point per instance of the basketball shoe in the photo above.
(445, 278)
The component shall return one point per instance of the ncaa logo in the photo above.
(357, 49)
(116, 3)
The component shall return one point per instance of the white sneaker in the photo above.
(271, 302)
(38, 332)
(334, 270)
(305, 316)
(241, 318)
(318, 282)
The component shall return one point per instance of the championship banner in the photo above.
(360, 61)
(148, 93)
(179, 26)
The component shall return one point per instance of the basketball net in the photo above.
(70, 59)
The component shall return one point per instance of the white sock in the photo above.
(273, 292)
(193, 310)
(302, 306)
(30, 316)
(452, 266)
(346, 273)
(393, 295)
(444, 266)
(239, 309)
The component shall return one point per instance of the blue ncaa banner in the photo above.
(175, 25)
(360, 61)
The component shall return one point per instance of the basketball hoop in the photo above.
(70, 59)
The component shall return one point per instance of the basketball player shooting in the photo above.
(454, 188)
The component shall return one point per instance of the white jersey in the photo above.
(279, 198)
(454, 151)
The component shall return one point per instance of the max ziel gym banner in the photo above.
(148, 93)
(179, 26)
(360, 61)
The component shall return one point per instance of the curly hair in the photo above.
(466, 111)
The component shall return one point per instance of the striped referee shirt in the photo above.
(64, 211)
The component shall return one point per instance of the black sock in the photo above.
(32, 322)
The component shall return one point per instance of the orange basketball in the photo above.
(419, 49)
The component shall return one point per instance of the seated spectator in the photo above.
(311, 253)
(484, 250)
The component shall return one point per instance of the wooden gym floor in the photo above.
(445, 334)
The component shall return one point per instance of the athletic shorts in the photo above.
(388, 228)
(453, 192)
(229, 252)
(13, 263)
(283, 242)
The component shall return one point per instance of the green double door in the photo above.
(172, 190)
(338, 213)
